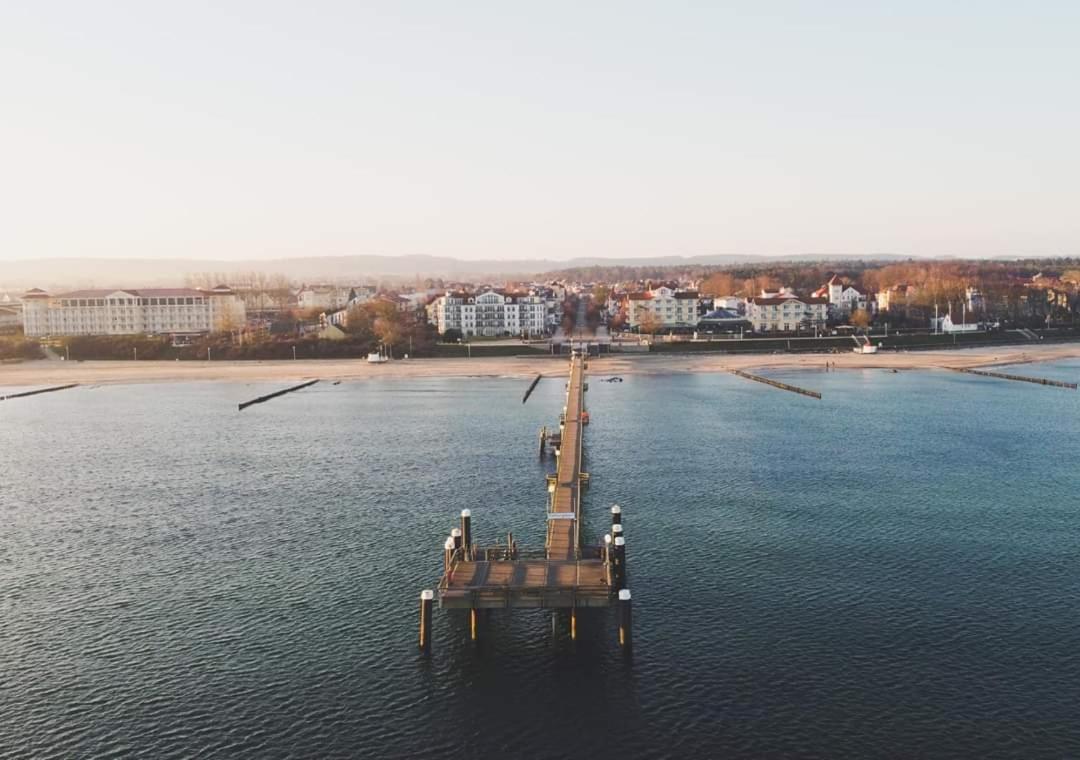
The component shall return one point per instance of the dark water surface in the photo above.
(889, 572)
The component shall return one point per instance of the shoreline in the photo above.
(52, 372)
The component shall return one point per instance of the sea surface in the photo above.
(892, 571)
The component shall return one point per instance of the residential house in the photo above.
(895, 297)
(963, 323)
(843, 298)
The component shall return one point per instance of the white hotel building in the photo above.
(172, 311)
(668, 308)
(490, 313)
(786, 312)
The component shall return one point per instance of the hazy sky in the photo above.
(512, 130)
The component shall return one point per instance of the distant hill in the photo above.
(101, 272)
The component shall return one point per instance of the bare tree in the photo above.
(718, 284)
(649, 323)
(860, 318)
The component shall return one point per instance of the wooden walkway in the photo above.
(563, 533)
(567, 576)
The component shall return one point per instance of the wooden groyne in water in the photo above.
(241, 407)
(776, 384)
(40, 390)
(531, 387)
(1019, 378)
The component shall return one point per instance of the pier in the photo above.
(566, 574)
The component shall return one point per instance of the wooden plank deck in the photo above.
(562, 535)
(563, 579)
(526, 583)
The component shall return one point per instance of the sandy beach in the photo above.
(47, 372)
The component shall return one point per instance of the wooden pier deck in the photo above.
(568, 575)
(564, 516)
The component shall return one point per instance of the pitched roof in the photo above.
(723, 314)
(142, 292)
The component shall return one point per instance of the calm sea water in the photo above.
(893, 571)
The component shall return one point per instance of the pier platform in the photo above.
(567, 574)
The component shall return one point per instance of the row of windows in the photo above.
(69, 303)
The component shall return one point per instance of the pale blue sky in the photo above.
(554, 129)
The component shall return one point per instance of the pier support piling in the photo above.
(474, 624)
(448, 554)
(616, 515)
(626, 623)
(618, 563)
(455, 535)
(573, 623)
(427, 597)
(466, 532)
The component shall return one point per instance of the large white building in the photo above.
(490, 313)
(785, 312)
(668, 308)
(172, 311)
